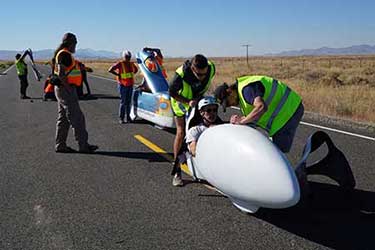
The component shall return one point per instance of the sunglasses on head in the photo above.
(210, 110)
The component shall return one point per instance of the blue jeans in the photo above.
(125, 96)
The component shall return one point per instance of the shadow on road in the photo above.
(151, 157)
(330, 218)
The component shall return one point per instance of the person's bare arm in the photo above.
(193, 147)
(63, 77)
(112, 70)
(259, 108)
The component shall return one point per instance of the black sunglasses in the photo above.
(210, 110)
(199, 74)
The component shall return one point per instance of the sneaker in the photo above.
(177, 181)
(121, 121)
(90, 149)
(65, 150)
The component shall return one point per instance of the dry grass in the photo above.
(341, 86)
(4, 65)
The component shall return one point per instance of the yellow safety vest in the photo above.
(21, 67)
(180, 108)
(281, 101)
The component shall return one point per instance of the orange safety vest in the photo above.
(126, 72)
(75, 76)
(49, 88)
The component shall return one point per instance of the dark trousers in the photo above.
(24, 84)
(285, 136)
(125, 96)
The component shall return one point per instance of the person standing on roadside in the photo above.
(124, 70)
(69, 111)
(190, 83)
(21, 67)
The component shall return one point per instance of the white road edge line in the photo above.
(304, 123)
(330, 129)
(6, 71)
(339, 131)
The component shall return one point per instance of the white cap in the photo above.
(126, 53)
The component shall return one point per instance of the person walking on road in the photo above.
(124, 70)
(69, 111)
(267, 103)
(21, 67)
(190, 83)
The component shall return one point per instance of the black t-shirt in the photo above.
(196, 86)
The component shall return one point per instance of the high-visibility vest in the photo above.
(75, 76)
(281, 101)
(180, 108)
(49, 88)
(21, 67)
(126, 72)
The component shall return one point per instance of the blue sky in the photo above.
(184, 28)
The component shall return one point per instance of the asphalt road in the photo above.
(122, 196)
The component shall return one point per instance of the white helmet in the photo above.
(126, 53)
(207, 100)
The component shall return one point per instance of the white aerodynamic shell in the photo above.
(246, 166)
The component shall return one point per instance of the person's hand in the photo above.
(192, 103)
(235, 119)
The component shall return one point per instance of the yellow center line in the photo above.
(161, 152)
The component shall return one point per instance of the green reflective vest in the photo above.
(281, 101)
(180, 108)
(21, 67)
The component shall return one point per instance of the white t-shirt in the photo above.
(194, 133)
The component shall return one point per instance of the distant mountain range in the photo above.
(352, 50)
(48, 53)
(103, 54)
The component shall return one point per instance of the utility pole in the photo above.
(247, 53)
